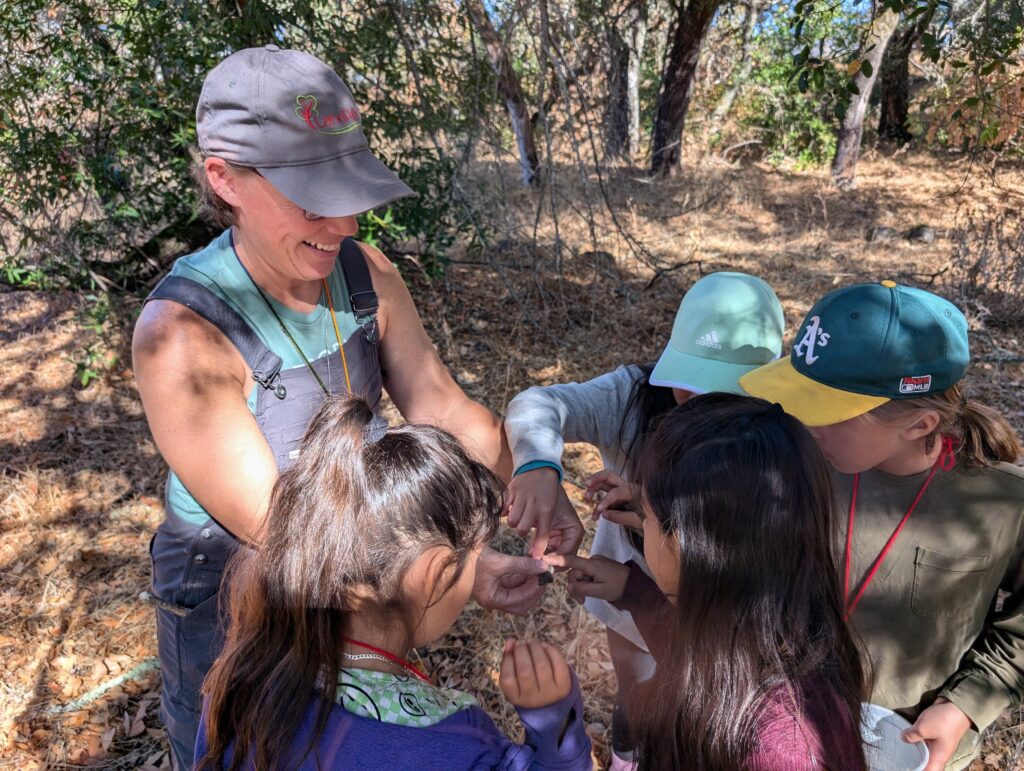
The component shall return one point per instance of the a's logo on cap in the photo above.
(916, 384)
(813, 336)
(341, 122)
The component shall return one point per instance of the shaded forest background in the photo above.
(579, 164)
(97, 107)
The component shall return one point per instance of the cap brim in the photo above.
(810, 402)
(695, 373)
(340, 187)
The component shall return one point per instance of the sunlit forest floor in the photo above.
(80, 479)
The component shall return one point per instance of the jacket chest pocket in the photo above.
(947, 584)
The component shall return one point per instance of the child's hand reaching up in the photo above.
(533, 674)
(615, 499)
(536, 501)
(597, 577)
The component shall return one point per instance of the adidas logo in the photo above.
(709, 340)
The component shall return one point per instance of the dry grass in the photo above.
(80, 480)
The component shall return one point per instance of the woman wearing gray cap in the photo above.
(241, 342)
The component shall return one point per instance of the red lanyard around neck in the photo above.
(390, 657)
(945, 461)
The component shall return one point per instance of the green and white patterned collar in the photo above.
(398, 698)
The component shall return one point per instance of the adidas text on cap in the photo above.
(727, 325)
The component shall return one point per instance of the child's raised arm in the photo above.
(541, 685)
(539, 422)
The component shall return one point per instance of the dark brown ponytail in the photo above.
(346, 520)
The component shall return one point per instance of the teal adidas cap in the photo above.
(863, 345)
(727, 325)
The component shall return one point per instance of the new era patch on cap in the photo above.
(727, 325)
(290, 116)
(863, 345)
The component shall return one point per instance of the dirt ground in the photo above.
(80, 479)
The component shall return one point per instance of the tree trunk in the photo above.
(741, 74)
(636, 37)
(677, 84)
(626, 37)
(844, 164)
(894, 82)
(616, 113)
(510, 90)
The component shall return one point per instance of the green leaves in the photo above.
(97, 114)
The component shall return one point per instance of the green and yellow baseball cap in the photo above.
(727, 325)
(861, 346)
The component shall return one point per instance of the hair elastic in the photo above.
(374, 430)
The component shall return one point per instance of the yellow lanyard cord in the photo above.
(337, 333)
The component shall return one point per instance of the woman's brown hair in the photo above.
(980, 434)
(345, 522)
(212, 207)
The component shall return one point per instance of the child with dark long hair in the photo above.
(727, 325)
(756, 669)
(932, 504)
(369, 549)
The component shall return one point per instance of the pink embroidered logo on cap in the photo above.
(341, 122)
(915, 384)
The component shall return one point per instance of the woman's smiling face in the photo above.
(279, 231)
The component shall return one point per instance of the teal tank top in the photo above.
(218, 268)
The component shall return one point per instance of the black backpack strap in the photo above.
(264, 363)
(361, 294)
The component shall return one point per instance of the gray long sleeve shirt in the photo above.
(538, 423)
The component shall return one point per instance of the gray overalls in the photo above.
(189, 558)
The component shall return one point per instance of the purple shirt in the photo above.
(818, 735)
(555, 739)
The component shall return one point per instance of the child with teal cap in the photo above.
(933, 532)
(727, 325)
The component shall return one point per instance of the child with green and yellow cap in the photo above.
(933, 526)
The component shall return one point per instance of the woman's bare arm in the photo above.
(193, 384)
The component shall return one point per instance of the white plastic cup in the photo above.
(881, 730)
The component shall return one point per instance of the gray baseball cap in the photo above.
(289, 115)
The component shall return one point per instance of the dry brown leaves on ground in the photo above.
(80, 480)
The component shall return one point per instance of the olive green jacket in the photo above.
(944, 615)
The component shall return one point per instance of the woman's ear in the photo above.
(925, 423)
(222, 179)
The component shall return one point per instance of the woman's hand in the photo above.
(536, 501)
(533, 674)
(597, 577)
(941, 727)
(616, 499)
(508, 583)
